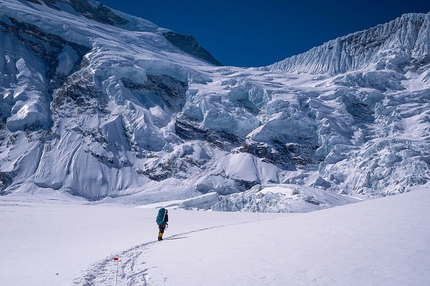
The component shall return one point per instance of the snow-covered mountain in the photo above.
(99, 104)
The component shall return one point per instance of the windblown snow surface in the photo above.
(54, 240)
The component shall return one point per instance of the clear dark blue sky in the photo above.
(260, 32)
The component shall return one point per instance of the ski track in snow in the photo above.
(131, 262)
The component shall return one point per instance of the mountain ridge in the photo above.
(409, 32)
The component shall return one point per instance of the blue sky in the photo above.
(261, 32)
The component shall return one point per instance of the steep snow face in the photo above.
(23, 85)
(390, 46)
(115, 110)
(33, 63)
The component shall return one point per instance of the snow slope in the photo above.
(54, 241)
(382, 242)
(51, 239)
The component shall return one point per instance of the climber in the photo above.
(162, 219)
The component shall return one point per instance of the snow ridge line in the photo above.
(130, 271)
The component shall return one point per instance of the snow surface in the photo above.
(57, 240)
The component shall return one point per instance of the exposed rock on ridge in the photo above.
(99, 13)
(190, 45)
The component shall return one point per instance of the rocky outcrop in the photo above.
(170, 90)
(99, 13)
(189, 44)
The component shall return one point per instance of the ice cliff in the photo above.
(399, 44)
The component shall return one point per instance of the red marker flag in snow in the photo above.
(116, 258)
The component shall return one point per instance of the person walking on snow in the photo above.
(162, 219)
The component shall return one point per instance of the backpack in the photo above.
(160, 216)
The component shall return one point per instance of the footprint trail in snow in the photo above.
(131, 266)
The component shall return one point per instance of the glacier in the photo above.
(103, 105)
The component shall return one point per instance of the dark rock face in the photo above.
(5, 181)
(171, 91)
(78, 95)
(187, 129)
(6, 178)
(276, 154)
(190, 45)
(100, 14)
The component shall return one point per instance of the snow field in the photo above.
(44, 237)
(41, 240)
(378, 242)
